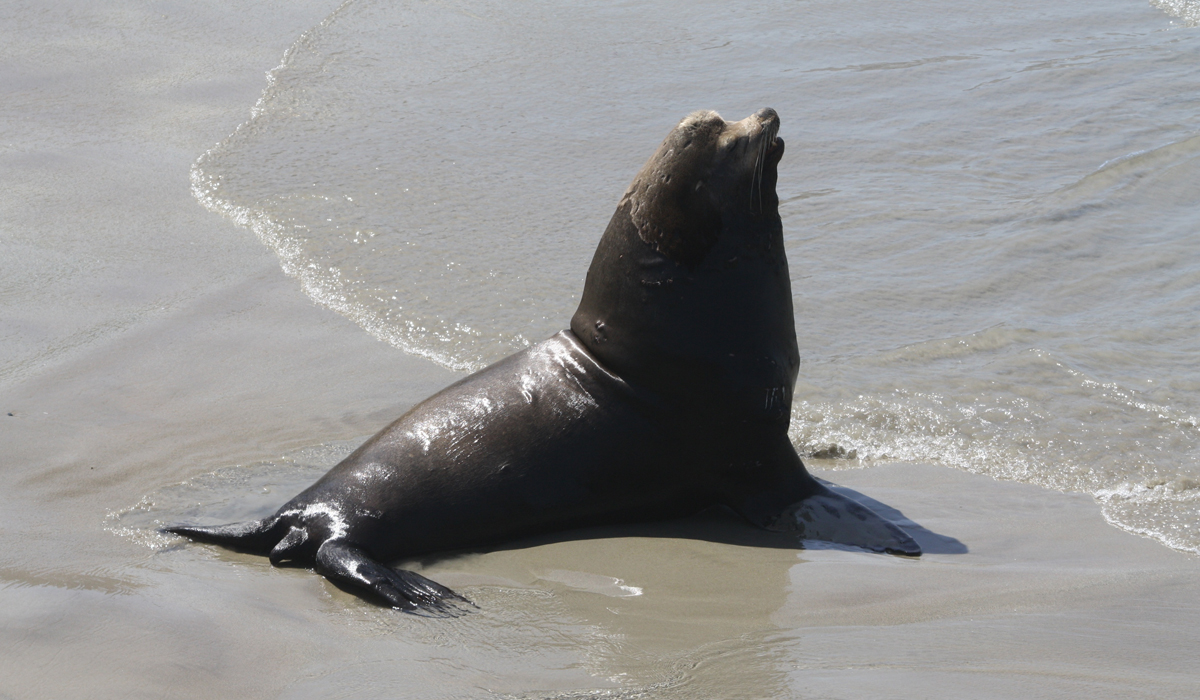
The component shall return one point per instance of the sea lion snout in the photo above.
(769, 119)
(767, 114)
(764, 123)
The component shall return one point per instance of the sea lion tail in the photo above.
(256, 536)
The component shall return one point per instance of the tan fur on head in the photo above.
(668, 201)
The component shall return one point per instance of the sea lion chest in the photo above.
(718, 337)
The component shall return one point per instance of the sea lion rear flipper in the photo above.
(348, 565)
(829, 516)
(255, 536)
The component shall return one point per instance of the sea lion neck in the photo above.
(688, 292)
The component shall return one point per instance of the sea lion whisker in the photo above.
(754, 183)
(759, 163)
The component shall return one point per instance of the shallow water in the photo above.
(705, 607)
(989, 211)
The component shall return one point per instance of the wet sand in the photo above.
(147, 342)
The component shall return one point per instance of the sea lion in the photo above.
(671, 392)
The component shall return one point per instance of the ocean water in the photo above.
(989, 209)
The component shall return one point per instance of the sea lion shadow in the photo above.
(721, 525)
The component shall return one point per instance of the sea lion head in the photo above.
(688, 293)
(706, 169)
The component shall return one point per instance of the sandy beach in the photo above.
(146, 342)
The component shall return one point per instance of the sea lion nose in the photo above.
(766, 114)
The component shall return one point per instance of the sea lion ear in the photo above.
(678, 219)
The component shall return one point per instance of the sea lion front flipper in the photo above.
(344, 563)
(829, 516)
(786, 498)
